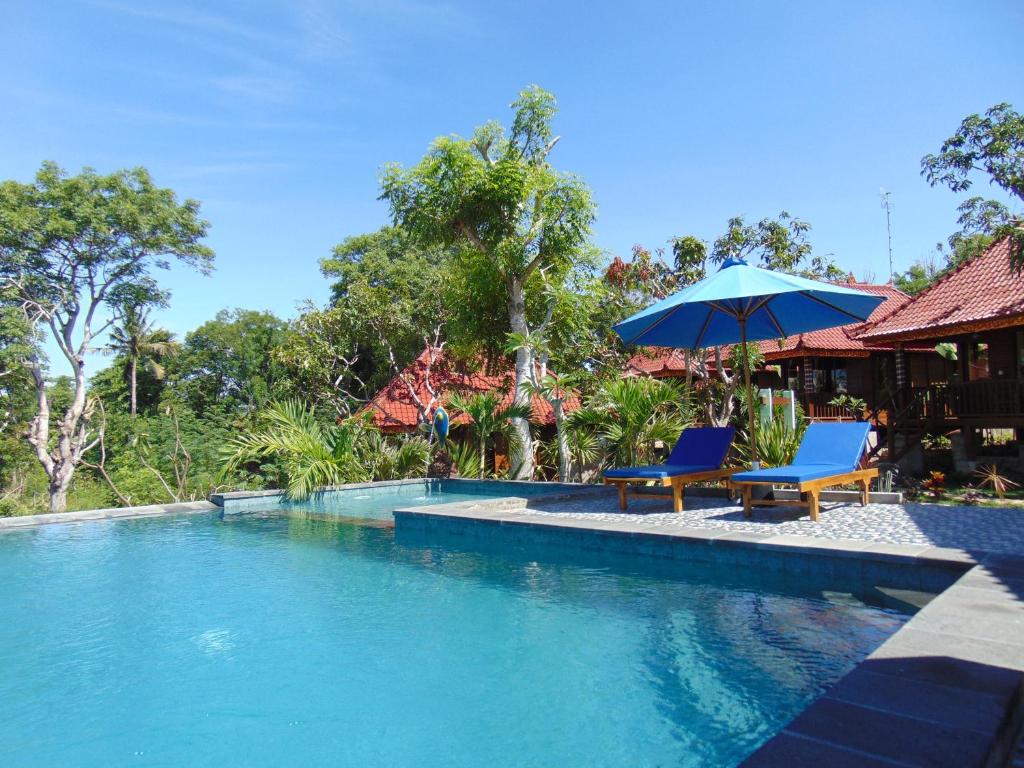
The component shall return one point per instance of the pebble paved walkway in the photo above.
(979, 529)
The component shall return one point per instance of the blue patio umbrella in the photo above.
(740, 303)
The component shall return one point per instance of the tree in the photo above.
(918, 276)
(72, 248)
(513, 221)
(228, 364)
(991, 145)
(488, 419)
(134, 337)
(780, 244)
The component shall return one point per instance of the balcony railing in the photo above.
(985, 399)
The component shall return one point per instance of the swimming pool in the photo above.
(376, 501)
(288, 639)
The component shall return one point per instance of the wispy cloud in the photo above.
(190, 18)
(228, 168)
(255, 87)
(322, 35)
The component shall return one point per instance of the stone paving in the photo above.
(981, 529)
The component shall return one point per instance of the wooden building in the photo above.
(978, 308)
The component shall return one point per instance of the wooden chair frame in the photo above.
(678, 483)
(810, 490)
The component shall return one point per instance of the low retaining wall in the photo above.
(113, 513)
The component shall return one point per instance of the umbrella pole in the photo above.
(750, 393)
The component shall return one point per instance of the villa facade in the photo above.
(978, 309)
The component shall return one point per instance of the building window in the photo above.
(977, 361)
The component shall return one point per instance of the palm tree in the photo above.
(488, 418)
(313, 454)
(134, 337)
(632, 415)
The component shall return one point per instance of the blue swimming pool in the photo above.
(274, 639)
(377, 501)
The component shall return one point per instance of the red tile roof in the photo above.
(981, 294)
(394, 409)
(842, 341)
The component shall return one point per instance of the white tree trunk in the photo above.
(564, 461)
(60, 461)
(522, 457)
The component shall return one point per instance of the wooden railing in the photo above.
(990, 398)
(816, 406)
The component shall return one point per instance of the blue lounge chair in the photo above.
(829, 454)
(697, 455)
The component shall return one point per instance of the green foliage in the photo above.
(71, 249)
(780, 244)
(314, 455)
(465, 456)
(134, 338)
(631, 416)
(392, 458)
(387, 298)
(854, 406)
(517, 227)
(227, 364)
(777, 442)
(488, 419)
(991, 145)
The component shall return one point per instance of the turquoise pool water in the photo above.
(272, 639)
(377, 503)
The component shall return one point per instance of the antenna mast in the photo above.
(888, 223)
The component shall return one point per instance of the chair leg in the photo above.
(812, 504)
(677, 497)
(622, 495)
(748, 492)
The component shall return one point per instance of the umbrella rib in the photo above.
(704, 328)
(832, 306)
(656, 323)
(775, 321)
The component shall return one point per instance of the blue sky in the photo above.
(278, 115)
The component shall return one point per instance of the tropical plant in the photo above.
(989, 477)
(777, 441)
(632, 417)
(465, 456)
(313, 455)
(854, 406)
(392, 459)
(134, 337)
(935, 484)
(488, 419)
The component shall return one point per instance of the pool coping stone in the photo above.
(111, 513)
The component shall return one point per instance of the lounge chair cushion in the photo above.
(792, 473)
(659, 471)
(840, 444)
(702, 445)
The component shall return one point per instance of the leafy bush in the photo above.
(630, 417)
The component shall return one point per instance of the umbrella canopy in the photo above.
(740, 303)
